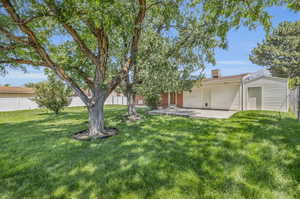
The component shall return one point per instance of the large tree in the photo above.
(95, 44)
(76, 40)
(88, 44)
(280, 51)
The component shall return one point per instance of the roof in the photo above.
(270, 78)
(240, 76)
(16, 90)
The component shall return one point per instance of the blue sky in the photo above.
(234, 60)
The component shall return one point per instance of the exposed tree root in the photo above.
(84, 135)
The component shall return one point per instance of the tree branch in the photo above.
(103, 44)
(26, 21)
(85, 77)
(31, 36)
(137, 32)
(14, 37)
(9, 47)
(154, 4)
(134, 46)
(74, 34)
(103, 56)
(42, 52)
(23, 61)
(95, 31)
(118, 78)
(83, 96)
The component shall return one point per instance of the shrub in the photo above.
(152, 101)
(52, 94)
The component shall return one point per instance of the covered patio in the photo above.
(194, 113)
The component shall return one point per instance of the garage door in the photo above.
(192, 99)
(214, 97)
(225, 97)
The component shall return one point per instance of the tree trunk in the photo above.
(96, 118)
(131, 104)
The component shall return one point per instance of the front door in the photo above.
(254, 98)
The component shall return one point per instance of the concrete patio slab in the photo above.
(194, 113)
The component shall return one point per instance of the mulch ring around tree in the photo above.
(84, 135)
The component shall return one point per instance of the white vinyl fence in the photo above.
(16, 103)
(24, 103)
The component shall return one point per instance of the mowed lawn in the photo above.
(252, 155)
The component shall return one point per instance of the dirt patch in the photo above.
(132, 118)
(84, 135)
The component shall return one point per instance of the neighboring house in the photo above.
(9, 92)
(16, 98)
(238, 92)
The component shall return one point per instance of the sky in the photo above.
(232, 61)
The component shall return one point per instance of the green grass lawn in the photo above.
(252, 155)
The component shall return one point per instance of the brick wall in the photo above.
(139, 100)
(179, 102)
(164, 100)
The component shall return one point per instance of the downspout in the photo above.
(242, 94)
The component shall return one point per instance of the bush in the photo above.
(52, 94)
(152, 101)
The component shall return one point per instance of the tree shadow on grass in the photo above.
(158, 157)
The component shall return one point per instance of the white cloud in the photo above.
(233, 62)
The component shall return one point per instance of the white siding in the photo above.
(220, 97)
(274, 93)
(227, 95)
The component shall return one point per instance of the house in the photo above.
(256, 91)
(16, 98)
(10, 92)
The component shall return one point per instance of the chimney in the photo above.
(216, 73)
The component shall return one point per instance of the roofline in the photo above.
(19, 90)
(271, 78)
(239, 76)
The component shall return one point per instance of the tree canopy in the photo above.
(280, 51)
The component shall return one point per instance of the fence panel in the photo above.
(76, 101)
(24, 103)
(13, 104)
